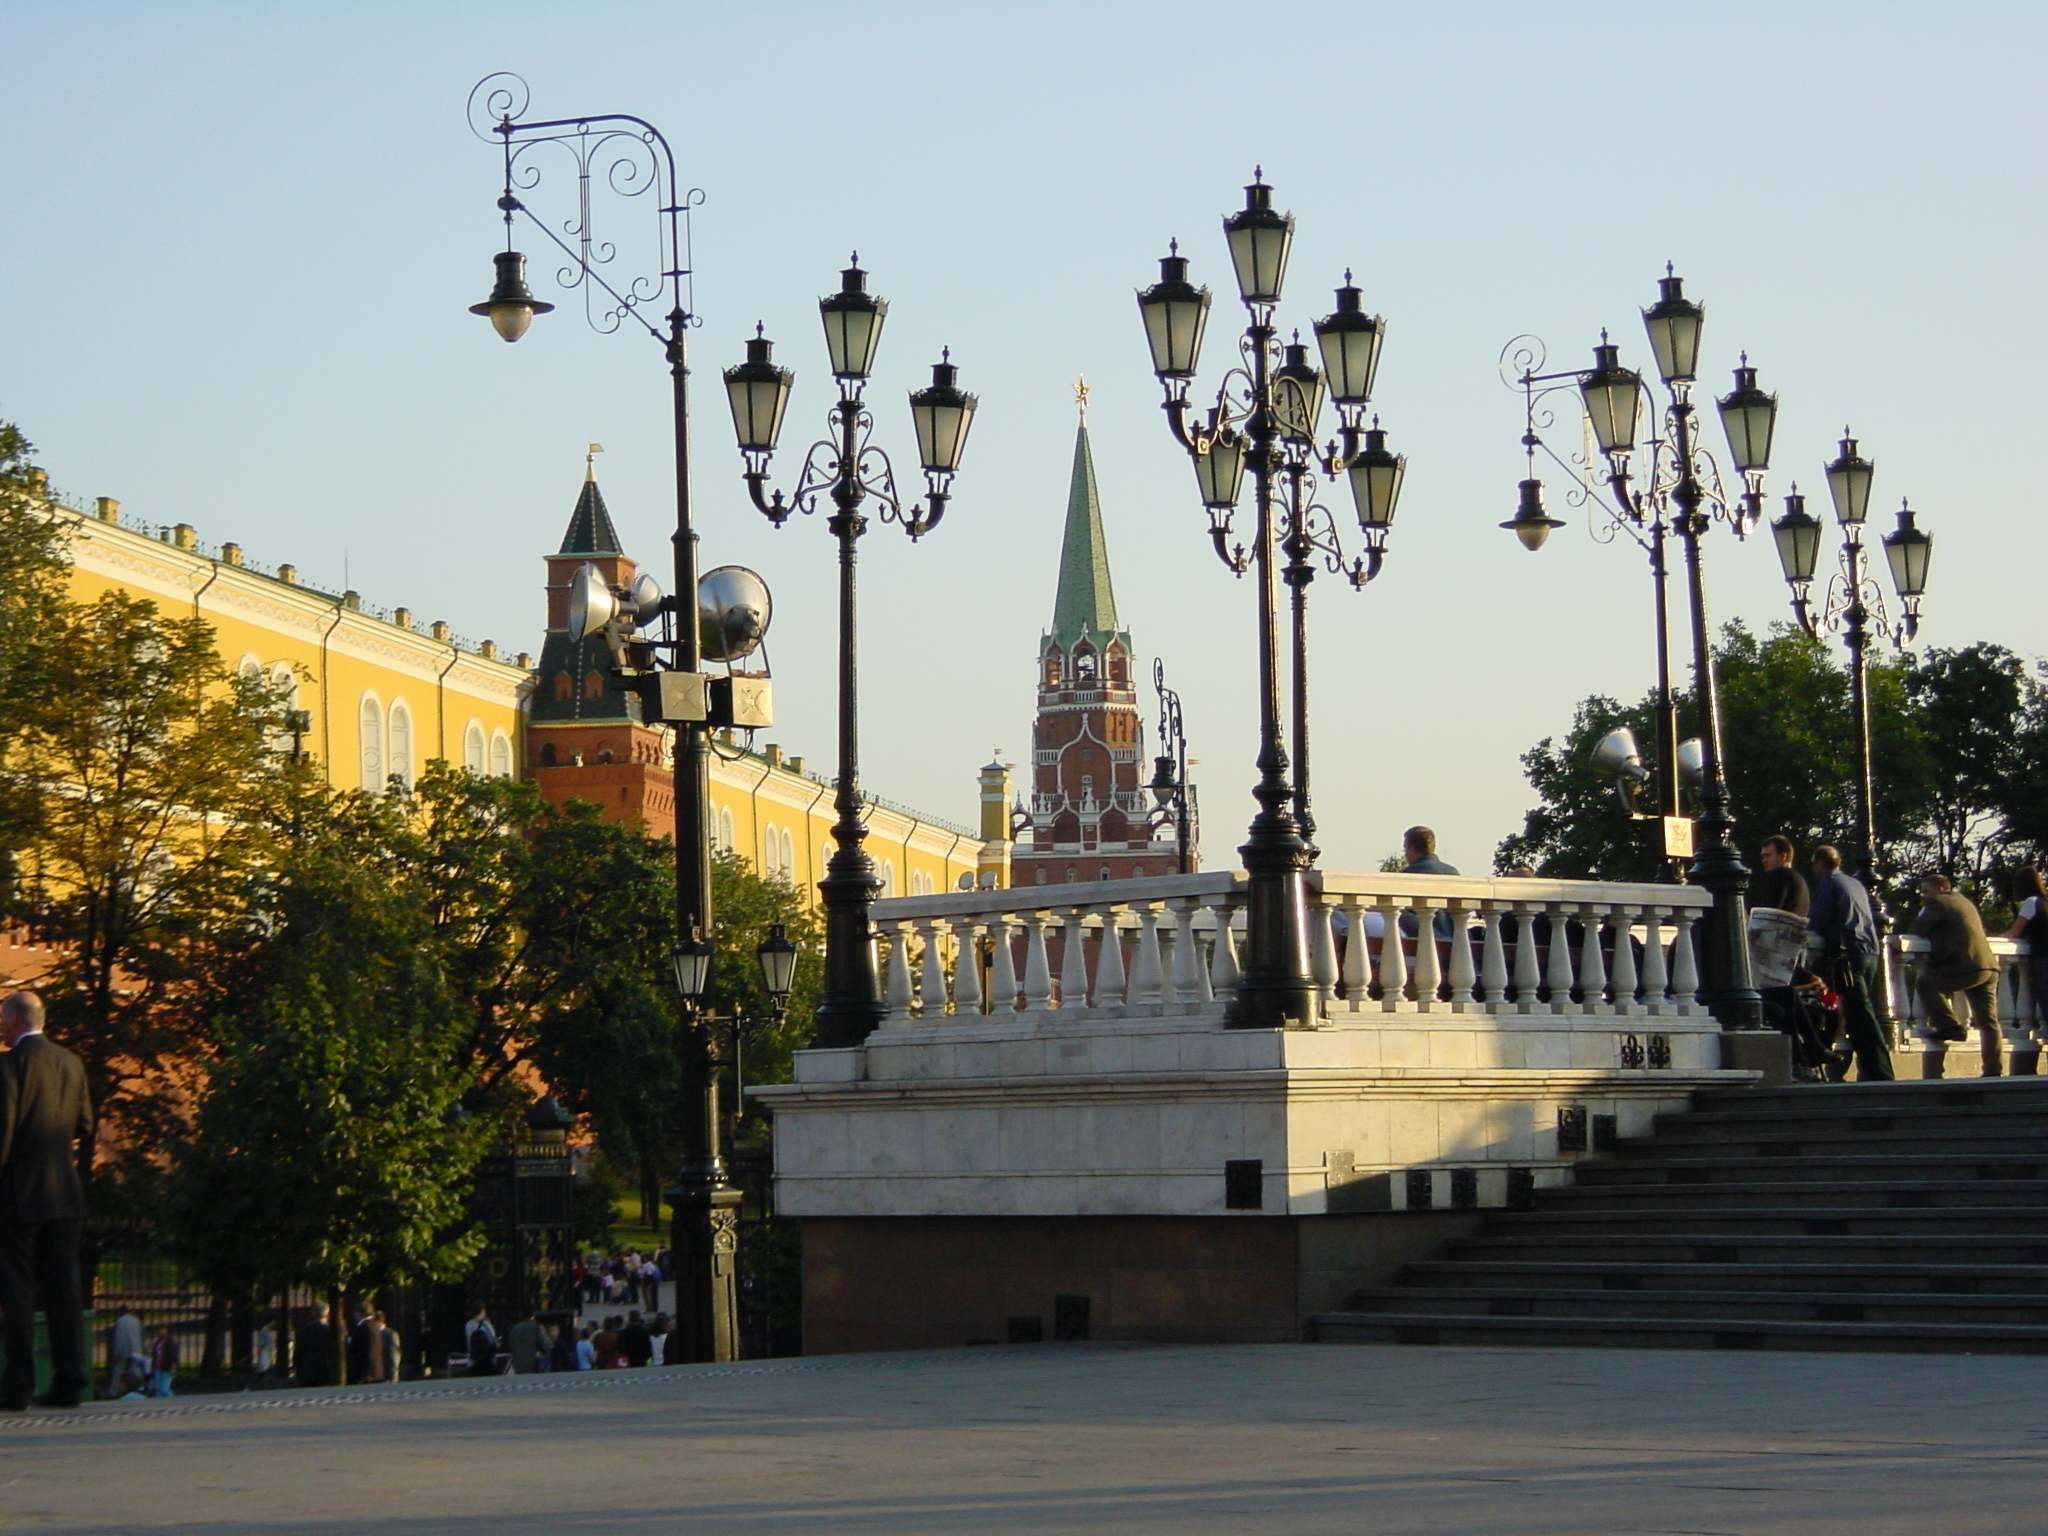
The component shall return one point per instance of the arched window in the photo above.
(604, 752)
(888, 873)
(371, 729)
(789, 856)
(565, 690)
(771, 850)
(593, 685)
(1105, 873)
(401, 742)
(473, 749)
(547, 753)
(1041, 874)
(501, 755)
(725, 833)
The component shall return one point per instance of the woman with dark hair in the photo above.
(2032, 926)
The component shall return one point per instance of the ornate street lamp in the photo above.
(847, 469)
(1679, 491)
(1171, 791)
(1854, 604)
(630, 156)
(1266, 419)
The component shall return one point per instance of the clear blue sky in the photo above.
(242, 239)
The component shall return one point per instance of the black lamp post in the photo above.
(1171, 791)
(630, 156)
(1855, 604)
(1680, 488)
(847, 468)
(1266, 419)
(1608, 393)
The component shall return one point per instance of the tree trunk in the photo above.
(241, 1334)
(212, 1354)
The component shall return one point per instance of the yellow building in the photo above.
(381, 693)
(384, 694)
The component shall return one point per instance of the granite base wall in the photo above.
(923, 1282)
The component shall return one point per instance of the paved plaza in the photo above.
(1272, 1440)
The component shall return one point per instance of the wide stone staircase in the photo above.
(1887, 1216)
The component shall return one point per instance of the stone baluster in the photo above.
(1685, 970)
(1557, 975)
(1223, 971)
(1592, 964)
(1148, 975)
(1904, 994)
(1656, 979)
(1002, 971)
(1624, 961)
(896, 989)
(1037, 965)
(1109, 963)
(1527, 975)
(1074, 960)
(1356, 972)
(1322, 947)
(1462, 978)
(1428, 966)
(931, 992)
(1190, 976)
(966, 968)
(1493, 961)
(1393, 959)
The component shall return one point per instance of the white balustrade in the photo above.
(2020, 1021)
(1378, 944)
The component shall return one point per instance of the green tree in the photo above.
(1950, 748)
(329, 1147)
(32, 577)
(153, 791)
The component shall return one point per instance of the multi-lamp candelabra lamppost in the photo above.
(1679, 488)
(846, 470)
(1265, 419)
(1854, 604)
(721, 617)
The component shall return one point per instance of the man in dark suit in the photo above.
(1959, 959)
(44, 1115)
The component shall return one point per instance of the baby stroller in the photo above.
(1812, 1016)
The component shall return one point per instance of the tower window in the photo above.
(564, 689)
(547, 754)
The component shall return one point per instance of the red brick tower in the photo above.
(585, 741)
(1091, 816)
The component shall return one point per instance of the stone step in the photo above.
(1830, 1306)
(1867, 1194)
(1623, 1248)
(1834, 1168)
(1872, 1119)
(1856, 1098)
(1764, 1220)
(1935, 1279)
(2017, 1143)
(1681, 1332)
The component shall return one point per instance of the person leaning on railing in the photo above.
(1959, 959)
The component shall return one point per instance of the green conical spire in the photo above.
(1086, 604)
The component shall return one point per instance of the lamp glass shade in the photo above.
(1259, 242)
(1749, 416)
(592, 604)
(692, 960)
(1163, 782)
(1349, 340)
(1797, 535)
(1175, 312)
(1220, 470)
(1297, 395)
(1674, 323)
(853, 325)
(1692, 760)
(777, 956)
(1613, 398)
(1531, 524)
(1849, 479)
(511, 306)
(1617, 753)
(758, 392)
(1907, 552)
(942, 415)
(1375, 476)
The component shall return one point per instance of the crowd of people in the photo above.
(560, 1343)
